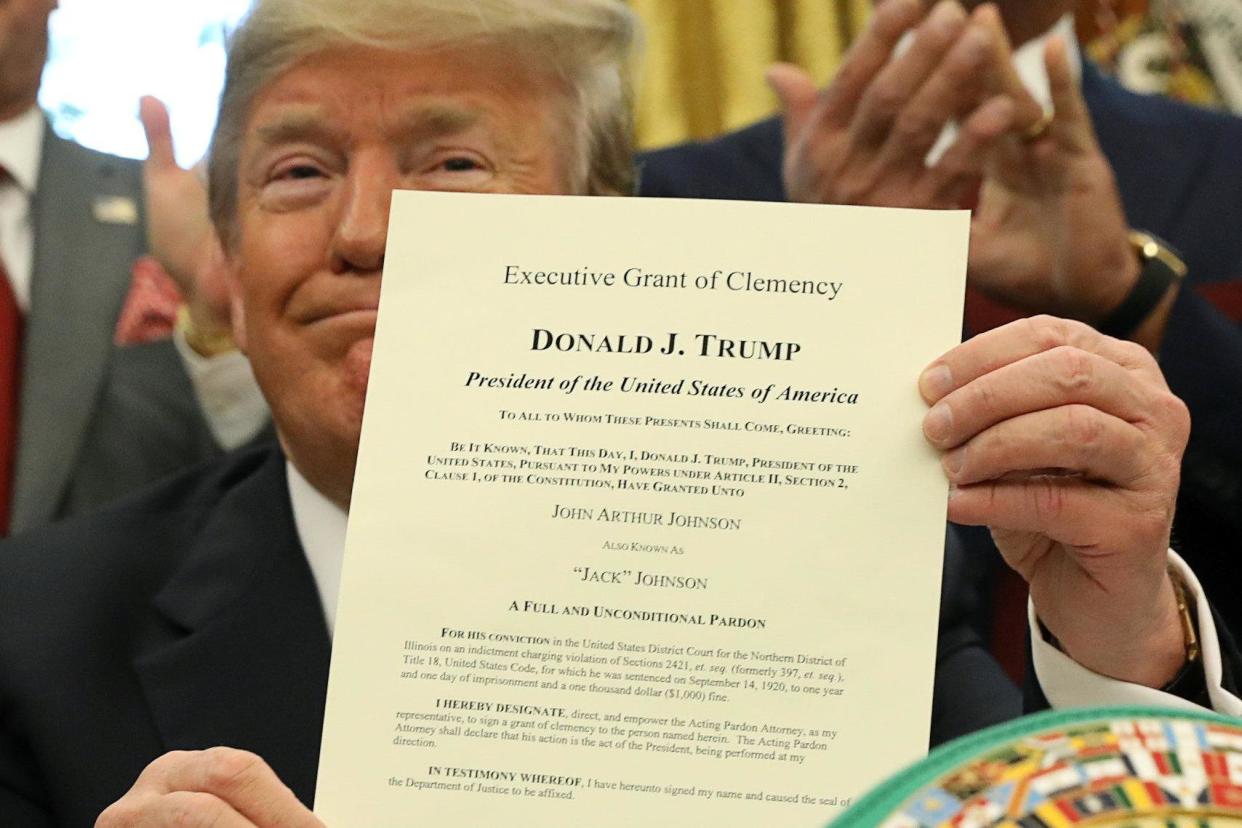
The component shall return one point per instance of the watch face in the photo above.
(1150, 248)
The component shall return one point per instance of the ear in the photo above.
(230, 267)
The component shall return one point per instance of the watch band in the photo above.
(1159, 269)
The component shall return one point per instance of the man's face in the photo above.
(325, 144)
(23, 50)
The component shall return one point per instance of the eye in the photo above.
(460, 164)
(297, 182)
(299, 171)
(454, 168)
(302, 171)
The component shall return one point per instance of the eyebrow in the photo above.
(435, 120)
(306, 123)
(311, 123)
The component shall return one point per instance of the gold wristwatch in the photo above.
(1160, 267)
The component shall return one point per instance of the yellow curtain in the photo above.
(702, 71)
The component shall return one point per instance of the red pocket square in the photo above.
(150, 308)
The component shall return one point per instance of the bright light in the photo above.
(105, 55)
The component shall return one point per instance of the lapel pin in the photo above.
(115, 210)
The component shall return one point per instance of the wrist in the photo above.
(1151, 651)
(1142, 313)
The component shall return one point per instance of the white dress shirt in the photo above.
(21, 150)
(321, 530)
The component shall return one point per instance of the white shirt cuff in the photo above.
(227, 393)
(1066, 683)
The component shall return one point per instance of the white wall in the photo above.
(105, 54)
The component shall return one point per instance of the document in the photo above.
(644, 528)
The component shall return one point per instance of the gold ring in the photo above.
(1038, 129)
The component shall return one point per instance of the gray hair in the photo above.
(590, 44)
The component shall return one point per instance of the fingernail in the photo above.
(974, 45)
(954, 460)
(947, 15)
(935, 382)
(938, 423)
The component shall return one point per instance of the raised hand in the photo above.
(865, 138)
(179, 230)
(1049, 234)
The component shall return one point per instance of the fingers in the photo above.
(158, 129)
(902, 77)
(1062, 376)
(232, 786)
(1072, 123)
(182, 808)
(997, 348)
(959, 170)
(1054, 429)
(798, 95)
(243, 780)
(954, 86)
(1002, 77)
(1068, 440)
(869, 54)
(1092, 519)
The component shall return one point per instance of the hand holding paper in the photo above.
(221, 787)
(1068, 443)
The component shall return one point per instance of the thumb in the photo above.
(798, 95)
(158, 130)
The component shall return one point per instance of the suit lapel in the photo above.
(239, 653)
(80, 276)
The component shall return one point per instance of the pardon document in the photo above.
(644, 530)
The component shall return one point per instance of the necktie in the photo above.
(10, 376)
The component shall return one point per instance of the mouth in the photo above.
(345, 316)
(348, 309)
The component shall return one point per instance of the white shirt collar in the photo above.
(321, 529)
(21, 147)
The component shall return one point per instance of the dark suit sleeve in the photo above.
(1201, 357)
(147, 425)
(970, 691)
(743, 165)
(20, 795)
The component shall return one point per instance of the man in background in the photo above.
(95, 398)
(877, 135)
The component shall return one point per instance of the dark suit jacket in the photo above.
(187, 617)
(96, 421)
(1179, 170)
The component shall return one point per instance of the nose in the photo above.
(362, 229)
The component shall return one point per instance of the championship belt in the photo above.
(1122, 766)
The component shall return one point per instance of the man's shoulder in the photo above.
(745, 164)
(1171, 125)
(120, 553)
(56, 148)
